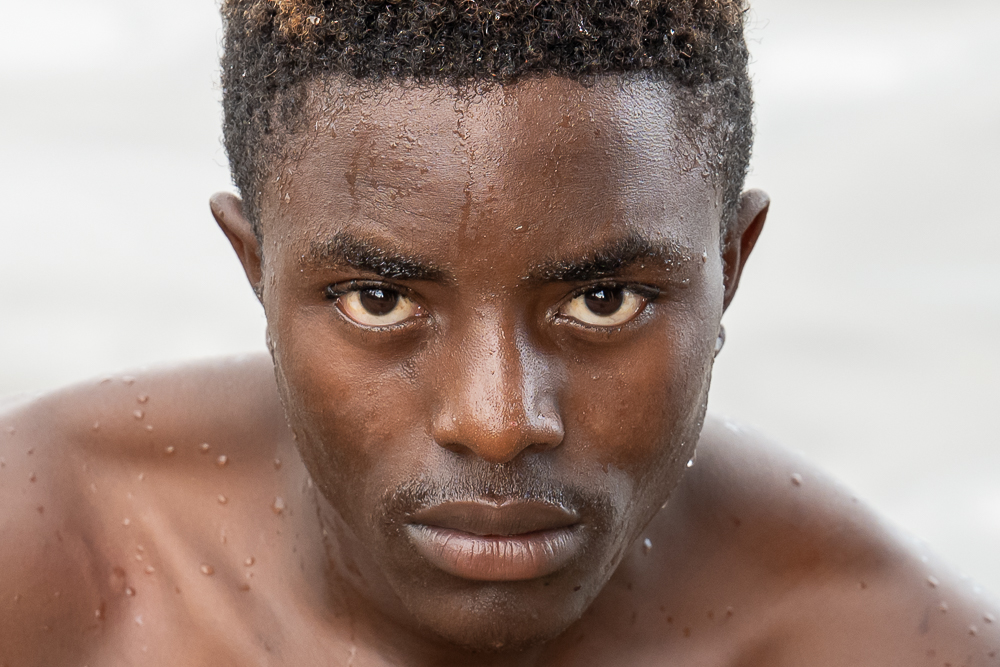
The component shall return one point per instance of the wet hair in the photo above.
(275, 48)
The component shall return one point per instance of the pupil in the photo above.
(604, 301)
(379, 301)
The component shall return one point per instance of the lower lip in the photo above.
(496, 558)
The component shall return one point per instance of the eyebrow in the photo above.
(609, 259)
(367, 255)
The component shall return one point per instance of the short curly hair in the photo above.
(274, 48)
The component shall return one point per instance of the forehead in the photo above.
(542, 157)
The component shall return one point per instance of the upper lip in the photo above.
(517, 517)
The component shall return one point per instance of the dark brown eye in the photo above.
(604, 301)
(377, 306)
(610, 306)
(378, 302)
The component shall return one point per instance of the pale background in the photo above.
(866, 330)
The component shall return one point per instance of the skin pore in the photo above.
(512, 297)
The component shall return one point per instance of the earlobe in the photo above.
(741, 238)
(227, 209)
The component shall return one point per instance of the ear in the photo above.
(741, 238)
(227, 209)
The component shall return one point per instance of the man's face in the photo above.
(493, 322)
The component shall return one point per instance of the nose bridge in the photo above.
(497, 401)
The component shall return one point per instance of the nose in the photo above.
(497, 397)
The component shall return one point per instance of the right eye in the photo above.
(375, 306)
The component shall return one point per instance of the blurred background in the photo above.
(866, 330)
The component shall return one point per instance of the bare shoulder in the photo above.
(826, 580)
(64, 460)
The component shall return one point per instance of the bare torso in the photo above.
(167, 519)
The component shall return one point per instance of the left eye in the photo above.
(376, 306)
(609, 306)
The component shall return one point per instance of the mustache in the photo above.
(478, 481)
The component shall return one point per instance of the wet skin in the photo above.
(492, 326)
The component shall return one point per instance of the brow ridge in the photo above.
(366, 254)
(607, 260)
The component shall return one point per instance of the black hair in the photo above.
(274, 48)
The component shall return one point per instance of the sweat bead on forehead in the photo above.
(409, 159)
(277, 50)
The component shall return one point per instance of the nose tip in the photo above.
(499, 398)
(498, 440)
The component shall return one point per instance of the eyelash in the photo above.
(334, 292)
(647, 292)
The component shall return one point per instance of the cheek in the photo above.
(348, 407)
(641, 410)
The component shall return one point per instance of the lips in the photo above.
(511, 541)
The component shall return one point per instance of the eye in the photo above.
(605, 306)
(375, 306)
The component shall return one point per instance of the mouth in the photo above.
(509, 541)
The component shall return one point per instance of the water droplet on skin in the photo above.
(142, 476)
(704, 257)
(150, 569)
(932, 581)
(943, 607)
(989, 618)
(99, 612)
(169, 450)
(207, 569)
(796, 479)
(222, 461)
(149, 427)
(279, 505)
(142, 398)
(3, 463)
(690, 464)
(138, 414)
(96, 426)
(249, 561)
(222, 499)
(93, 488)
(973, 630)
(11, 430)
(204, 447)
(647, 545)
(277, 464)
(32, 477)
(128, 379)
(138, 620)
(129, 591)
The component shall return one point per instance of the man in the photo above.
(494, 243)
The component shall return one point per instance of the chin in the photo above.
(494, 621)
